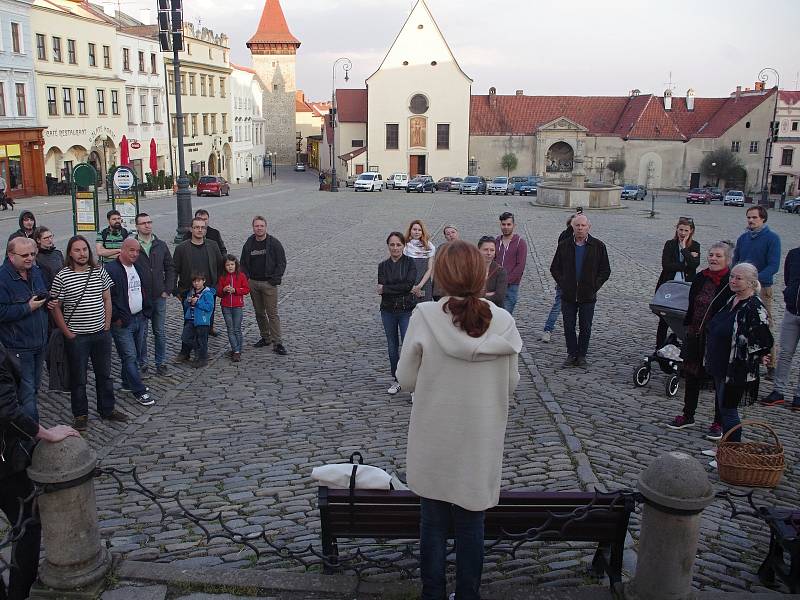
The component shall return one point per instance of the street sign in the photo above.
(125, 196)
(84, 198)
(124, 178)
(135, 145)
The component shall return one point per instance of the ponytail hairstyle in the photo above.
(460, 271)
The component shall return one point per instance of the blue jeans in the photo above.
(730, 416)
(512, 293)
(96, 346)
(195, 338)
(437, 517)
(30, 362)
(233, 322)
(550, 323)
(580, 314)
(129, 340)
(392, 322)
(158, 321)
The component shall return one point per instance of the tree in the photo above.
(509, 162)
(720, 164)
(616, 166)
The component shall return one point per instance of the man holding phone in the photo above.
(23, 320)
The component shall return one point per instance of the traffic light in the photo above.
(775, 130)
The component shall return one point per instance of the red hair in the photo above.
(460, 271)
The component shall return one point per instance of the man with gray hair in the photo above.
(23, 321)
(580, 268)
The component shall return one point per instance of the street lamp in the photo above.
(103, 137)
(347, 64)
(763, 76)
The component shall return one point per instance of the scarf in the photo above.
(415, 249)
(716, 276)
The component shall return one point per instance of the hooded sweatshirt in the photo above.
(25, 214)
(461, 387)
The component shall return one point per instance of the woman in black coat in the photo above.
(679, 261)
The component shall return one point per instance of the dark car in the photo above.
(633, 192)
(448, 184)
(716, 193)
(421, 183)
(473, 184)
(698, 195)
(213, 185)
(792, 206)
(530, 187)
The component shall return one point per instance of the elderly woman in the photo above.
(708, 294)
(738, 339)
(679, 261)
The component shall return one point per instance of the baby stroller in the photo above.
(671, 301)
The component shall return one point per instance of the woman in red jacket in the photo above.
(232, 287)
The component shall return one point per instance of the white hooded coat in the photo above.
(461, 387)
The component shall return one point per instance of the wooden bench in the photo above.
(563, 516)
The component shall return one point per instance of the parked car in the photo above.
(213, 185)
(421, 183)
(792, 206)
(734, 198)
(518, 181)
(299, 167)
(530, 187)
(500, 185)
(369, 182)
(473, 184)
(350, 181)
(716, 193)
(633, 192)
(396, 181)
(698, 195)
(448, 184)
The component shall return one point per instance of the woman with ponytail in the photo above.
(459, 358)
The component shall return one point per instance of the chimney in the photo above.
(492, 97)
(634, 92)
(520, 92)
(759, 86)
(690, 99)
(145, 16)
(667, 99)
(738, 91)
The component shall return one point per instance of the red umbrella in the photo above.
(153, 156)
(124, 152)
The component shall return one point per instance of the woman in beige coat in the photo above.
(459, 358)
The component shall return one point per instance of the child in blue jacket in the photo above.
(198, 309)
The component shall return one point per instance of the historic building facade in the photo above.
(785, 167)
(248, 127)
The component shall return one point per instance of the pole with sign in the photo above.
(83, 184)
(125, 196)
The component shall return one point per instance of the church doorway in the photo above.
(416, 165)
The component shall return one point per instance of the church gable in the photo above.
(562, 124)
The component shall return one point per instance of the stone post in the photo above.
(676, 490)
(75, 557)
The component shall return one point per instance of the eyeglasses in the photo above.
(26, 255)
(145, 222)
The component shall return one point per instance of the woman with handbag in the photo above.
(708, 294)
(396, 276)
(460, 360)
(679, 261)
(738, 340)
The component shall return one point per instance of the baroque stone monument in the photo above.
(576, 192)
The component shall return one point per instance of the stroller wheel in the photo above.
(671, 387)
(641, 375)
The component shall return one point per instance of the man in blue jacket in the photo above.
(23, 321)
(761, 247)
(130, 309)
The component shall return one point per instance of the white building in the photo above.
(785, 167)
(247, 95)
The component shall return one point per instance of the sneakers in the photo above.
(115, 415)
(262, 343)
(394, 388)
(775, 398)
(710, 452)
(81, 423)
(545, 337)
(581, 362)
(236, 357)
(714, 432)
(146, 399)
(570, 362)
(680, 422)
(279, 349)
(162, 370)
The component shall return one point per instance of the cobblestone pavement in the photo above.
(243, 438)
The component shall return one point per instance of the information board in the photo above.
(84, 198)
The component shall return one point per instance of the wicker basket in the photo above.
(752, 464)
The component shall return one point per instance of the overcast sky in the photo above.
(575, 47)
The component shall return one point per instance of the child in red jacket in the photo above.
(232, 287)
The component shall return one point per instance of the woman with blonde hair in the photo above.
(460, 360)
(421, 250)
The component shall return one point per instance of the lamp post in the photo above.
(103, 137)
(347, 64)
(763, 76)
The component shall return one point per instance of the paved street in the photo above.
(242, 438)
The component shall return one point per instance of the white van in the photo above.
(369, 182)
(397, 181)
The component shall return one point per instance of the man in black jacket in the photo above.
(264, 262)
(211, 234)
(580, 268)
(19, 434)
(156, 262)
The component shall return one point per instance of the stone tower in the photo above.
(273, 48)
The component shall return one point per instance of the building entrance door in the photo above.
(694, 181)
(416, 165)
(778, 184)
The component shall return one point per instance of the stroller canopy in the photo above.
(673, 296)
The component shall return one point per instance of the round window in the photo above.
(419, 104)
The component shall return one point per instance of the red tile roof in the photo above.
(272, 29)
(352, 154)
(300, 104)
(351, 105)
(789, 97)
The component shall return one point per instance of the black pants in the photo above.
(25, 551)
(580, 315)
(691, 397)
(661, 333)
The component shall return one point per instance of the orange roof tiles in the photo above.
(272, 29)
(352, 105)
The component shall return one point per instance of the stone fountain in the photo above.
(577, 192)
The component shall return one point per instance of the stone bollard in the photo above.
(676, 490)
(75, 557)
